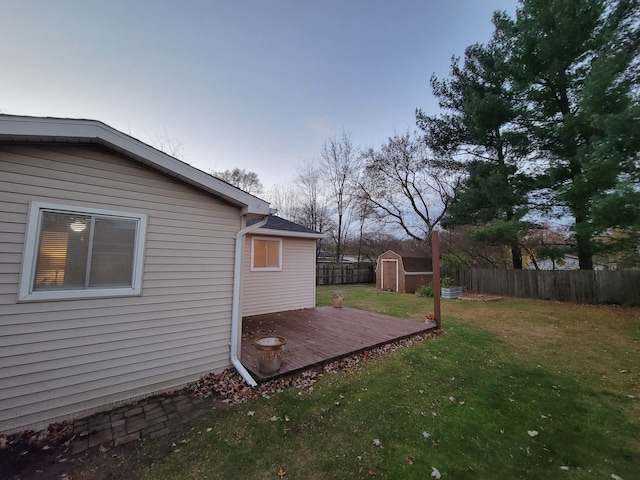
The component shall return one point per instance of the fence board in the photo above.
(341, 273)
(581, 286)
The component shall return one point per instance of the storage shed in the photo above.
(402, 271)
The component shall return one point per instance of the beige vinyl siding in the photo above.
(60, 359)
(291, 288)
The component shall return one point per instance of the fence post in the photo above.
(435, 255)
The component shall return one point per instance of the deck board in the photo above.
(319, 335)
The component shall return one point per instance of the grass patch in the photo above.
(467, 403)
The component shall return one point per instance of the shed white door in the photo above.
(390, 275)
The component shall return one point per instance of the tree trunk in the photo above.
(516, 257)
(585, 257)
(583, 238)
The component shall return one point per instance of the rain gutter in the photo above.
(236, 320)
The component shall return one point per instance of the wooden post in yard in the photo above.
(435, 258)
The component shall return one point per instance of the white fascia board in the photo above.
(418, 273)
(287, 233)
(41, 129)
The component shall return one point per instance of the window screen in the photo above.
(78, 251)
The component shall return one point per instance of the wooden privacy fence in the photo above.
(582, 286)
(335, 274)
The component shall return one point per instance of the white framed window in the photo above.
(77, 252)
(266, 254)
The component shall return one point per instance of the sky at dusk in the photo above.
(259, 85)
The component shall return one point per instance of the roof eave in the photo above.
(59, 130)
(288, 233)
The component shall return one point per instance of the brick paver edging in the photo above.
(148, 418)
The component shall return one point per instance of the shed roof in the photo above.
(21, 129)
(414, 261)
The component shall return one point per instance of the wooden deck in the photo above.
(318, 335)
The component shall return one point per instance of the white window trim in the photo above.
(397, 273)
(26, 293)
(267, 269)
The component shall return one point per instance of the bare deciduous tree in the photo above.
(340, 164)
(241, 178)
(406, 187)
(312, 209)
(167, 144)
(285, 199)
(304, 201)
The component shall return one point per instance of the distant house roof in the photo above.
(279, 226)
(14, 128)
(567, 262)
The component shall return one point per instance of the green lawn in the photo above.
(512, 389)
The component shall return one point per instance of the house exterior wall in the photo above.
(61, 359)
(291, 288)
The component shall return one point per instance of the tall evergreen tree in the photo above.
(575, 63)
(479, 129)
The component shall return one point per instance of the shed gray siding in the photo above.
(66, 358)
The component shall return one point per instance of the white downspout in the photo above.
(236, 321)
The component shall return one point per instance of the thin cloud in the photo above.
(319, 126)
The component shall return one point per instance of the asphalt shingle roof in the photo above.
(277, 223)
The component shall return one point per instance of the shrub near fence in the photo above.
(581, 286)
(339, 273)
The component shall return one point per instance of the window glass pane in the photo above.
(259, 253)
(62, 251)
(273, 254)
(112, 254)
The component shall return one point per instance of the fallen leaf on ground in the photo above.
(410, 460)
(274, 419)
(435, 473)
(251, 413)
(615, 477)
(426, 434)
(281, 472)
(377, 442)
(565, 468)
(532, 433)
